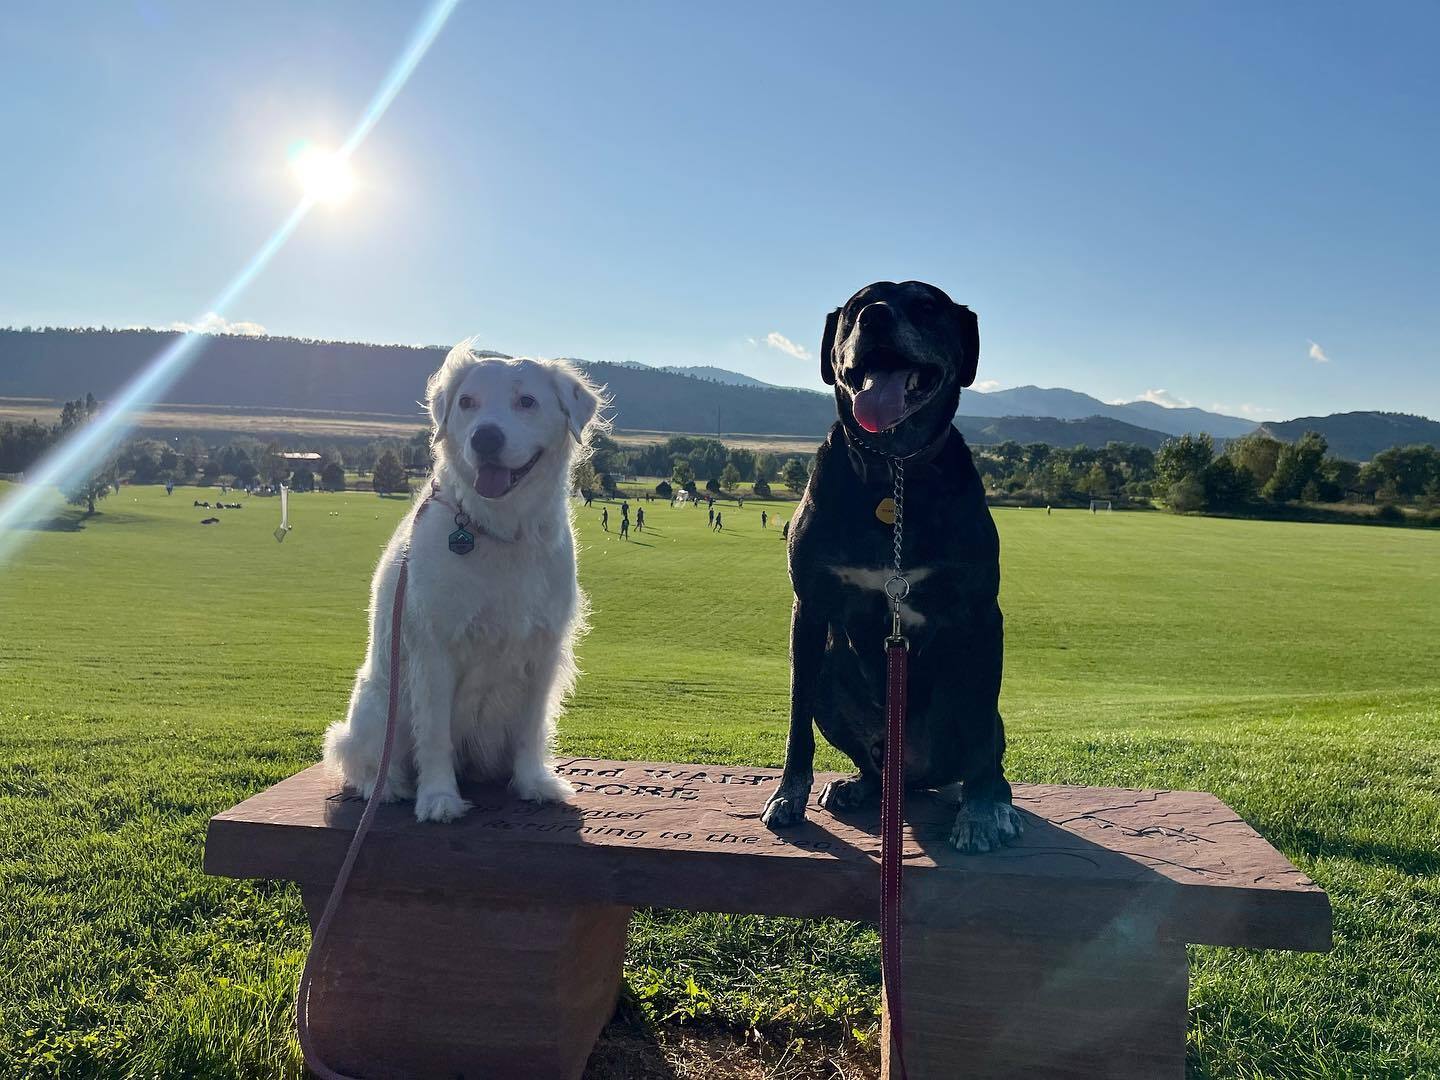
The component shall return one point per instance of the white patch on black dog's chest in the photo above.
(872, 578)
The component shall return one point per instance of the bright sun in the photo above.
(324, 175)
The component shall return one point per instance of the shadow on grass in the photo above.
(73, 521)
(1414, 860)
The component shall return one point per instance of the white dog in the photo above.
(487, 635)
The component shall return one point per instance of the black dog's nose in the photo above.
(487, 440)
(876, 317)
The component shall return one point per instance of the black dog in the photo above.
(897, 356)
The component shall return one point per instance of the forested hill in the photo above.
(1093, 431)
(1359, 436)
(287, 373)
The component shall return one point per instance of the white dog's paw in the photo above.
(541, 786)
(440, 806)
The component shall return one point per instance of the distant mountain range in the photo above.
(1359, 436)
(1059, 403)
(720, 375)
(255, 373)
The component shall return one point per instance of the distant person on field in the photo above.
(639, 519)
(719, 522)
(764, 519)
(785, 531)
(605, 518)
(624, 528)
(712, 517)
(625, 508)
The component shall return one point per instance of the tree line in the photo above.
(688, 462)
(1187, 474)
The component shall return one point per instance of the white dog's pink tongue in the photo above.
(492, 481)
(882, 400)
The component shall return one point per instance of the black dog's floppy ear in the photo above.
(969, 343)
(827, 346)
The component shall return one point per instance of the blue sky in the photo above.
(1231, 203)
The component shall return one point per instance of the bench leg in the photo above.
(979, 1005)
(453, 985)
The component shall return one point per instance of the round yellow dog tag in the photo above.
(885, 511)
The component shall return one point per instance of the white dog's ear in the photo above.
(435, 401)
(580, 399)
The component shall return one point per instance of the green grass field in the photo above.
(153, 672)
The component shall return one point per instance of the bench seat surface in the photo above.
(1178, 865)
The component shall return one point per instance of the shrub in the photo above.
(664, 490)
(1391, 515)
(1186, 495)
(762, 488)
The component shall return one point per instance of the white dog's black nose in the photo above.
(487, 440)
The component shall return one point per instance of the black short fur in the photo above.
(840, 554)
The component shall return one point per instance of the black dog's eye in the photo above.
(466, 401)
(526, 401)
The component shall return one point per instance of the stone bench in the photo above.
(492, 948)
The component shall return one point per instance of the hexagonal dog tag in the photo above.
(462, 542)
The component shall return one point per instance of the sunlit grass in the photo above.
(154, 671)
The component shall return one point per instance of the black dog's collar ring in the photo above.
(897, 588)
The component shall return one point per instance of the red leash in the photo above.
(322, 928)
(892, 791)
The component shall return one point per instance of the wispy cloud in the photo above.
(987, 385)
(211, 323)
(1318, 354)
(1247, 410)
(777, 340)
(1163, 398)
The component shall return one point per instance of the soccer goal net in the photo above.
(1100, 506)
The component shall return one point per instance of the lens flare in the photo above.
(83, 451)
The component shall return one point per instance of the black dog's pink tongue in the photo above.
(492, 481)
(882, 400)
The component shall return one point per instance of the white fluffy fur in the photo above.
(487, 638)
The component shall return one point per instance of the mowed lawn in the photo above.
(154, 671)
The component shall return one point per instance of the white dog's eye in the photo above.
(526, 401)
(466, 401)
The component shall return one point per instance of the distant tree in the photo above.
(585, 478)
(795, 475)
(1097, 482)
(729, 476)
(1184, 459)
(85, 488)
(607, 483)
(1257, 453)
(762, 489)
(1184, 456)
(273, 466)
(332, 476)
(1226, 484)
(302, 478)
(664, 490)
(713, 485)
(1297, 465)
(21, 445)
(743, 462)
(389, 474)
(764, 467)
(683, 475)
(1186, 495)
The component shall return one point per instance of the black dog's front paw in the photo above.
(850, 793)
(985, 826)
(787, 805)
